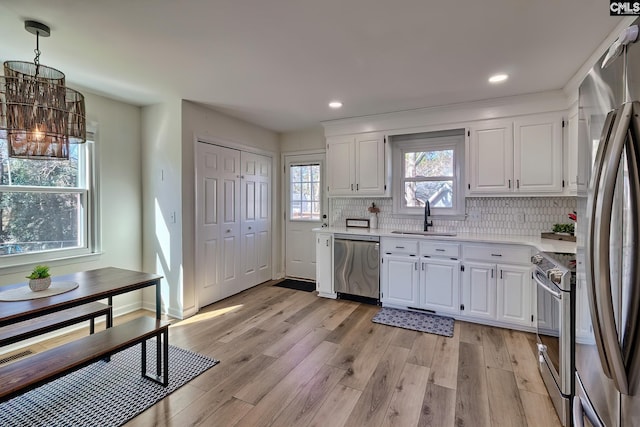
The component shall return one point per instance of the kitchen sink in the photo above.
(425, 233)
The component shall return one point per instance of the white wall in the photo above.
(307, 139)
(118, 155)
(162, 202)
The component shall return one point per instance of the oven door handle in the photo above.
(556, 294)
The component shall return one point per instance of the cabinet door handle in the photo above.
(440, 250)
(422, 266)
(509, 183)
(501, 274)
(357, 187)
(517, 183)
(327, 242)
(416, 265)
(351, 187)
(492, 273)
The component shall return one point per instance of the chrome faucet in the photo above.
(427, 214)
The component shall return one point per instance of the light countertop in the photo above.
(543, 245)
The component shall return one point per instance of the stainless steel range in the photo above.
(555, 277)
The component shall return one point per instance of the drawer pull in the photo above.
(399, 247)
(496, 254)
(440, 250)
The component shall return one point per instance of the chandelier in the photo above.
(39, 115)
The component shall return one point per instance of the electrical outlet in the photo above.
(520, 218)
(475, 215)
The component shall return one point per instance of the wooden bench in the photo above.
(33, 371)
(30, 328)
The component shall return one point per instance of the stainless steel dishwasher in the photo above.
(356, 261)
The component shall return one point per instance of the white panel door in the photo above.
(217, 222)
(514, 295)
(440, 285)
(229, 210)
(479, 290)
(491, 158)
(256, 218)
(305, 204)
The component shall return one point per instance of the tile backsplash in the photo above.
(494, 215)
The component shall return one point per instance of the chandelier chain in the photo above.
(36, 60)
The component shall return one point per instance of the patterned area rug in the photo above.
(104, 393)
(423, 322)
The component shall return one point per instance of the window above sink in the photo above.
(429, 166)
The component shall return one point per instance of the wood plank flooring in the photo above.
(289, 358)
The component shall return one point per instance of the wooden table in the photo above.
(94, 285)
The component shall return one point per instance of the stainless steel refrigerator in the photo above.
(607, 354)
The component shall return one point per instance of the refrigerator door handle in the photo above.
(580, 411)
(590, 255)
(604, 208)
(630, 337)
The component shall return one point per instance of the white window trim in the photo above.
(322, 184)
(89, 200)
(455, 143)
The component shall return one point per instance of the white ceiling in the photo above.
(277, 63)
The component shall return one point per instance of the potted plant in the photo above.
(567, 229)
(39, 279)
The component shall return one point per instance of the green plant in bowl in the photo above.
(40, 278)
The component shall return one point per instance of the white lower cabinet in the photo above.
(324, 265)
(498, 292)
(514, 294)
(399, 280)
(484, 283)
(479, 290)
(440, 285)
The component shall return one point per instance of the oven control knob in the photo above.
(555, 275)
(536, 259)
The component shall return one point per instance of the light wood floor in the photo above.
(289, 358)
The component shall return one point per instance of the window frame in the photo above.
(320, 193)
(429, 141)
(87, 188)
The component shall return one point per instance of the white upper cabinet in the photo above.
(490, 157)
(537, 149)
(341, 165)
(521, 156)
(356, 165)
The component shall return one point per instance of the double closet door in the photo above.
(233, 221)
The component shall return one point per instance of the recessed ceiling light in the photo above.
(335, 104)
(498, 78)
